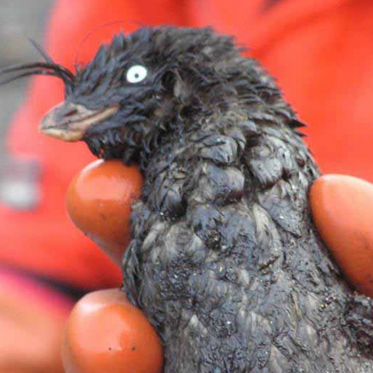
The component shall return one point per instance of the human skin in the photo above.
(31, 322)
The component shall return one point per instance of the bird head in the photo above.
(122, 101)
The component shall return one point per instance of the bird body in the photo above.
(224, 260)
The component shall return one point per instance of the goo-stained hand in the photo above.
(105, 332)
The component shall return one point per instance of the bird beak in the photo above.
(70, 122)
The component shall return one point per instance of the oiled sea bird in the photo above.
(224, 260)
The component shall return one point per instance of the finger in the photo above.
(99, 203)
(342, 208)
(106, 333)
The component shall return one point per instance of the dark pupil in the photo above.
(137, 75)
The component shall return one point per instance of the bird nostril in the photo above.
(71, 113)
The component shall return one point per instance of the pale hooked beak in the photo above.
(70, 122)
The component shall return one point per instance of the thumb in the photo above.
(342, 210)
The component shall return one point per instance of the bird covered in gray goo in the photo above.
(224, 258)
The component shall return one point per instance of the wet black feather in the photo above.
(50, 68)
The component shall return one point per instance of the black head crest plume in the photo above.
(41, 50)
(224, 260)
(49, 67)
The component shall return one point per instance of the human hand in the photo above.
(32, 318)
(105, 332)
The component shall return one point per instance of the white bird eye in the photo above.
(136, 74)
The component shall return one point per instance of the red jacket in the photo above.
(321, 52)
